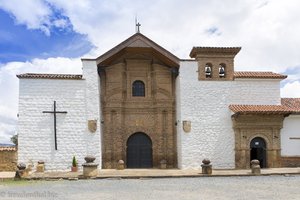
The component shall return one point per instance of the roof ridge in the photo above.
(8, 148)
(51, 73)
(256, 71)
(259, 74)
(49, 76)
(291, 98)
(283, 108)
(196, 50)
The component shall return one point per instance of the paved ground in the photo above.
(247, 187)
(137, 173)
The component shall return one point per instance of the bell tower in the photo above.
(215, 63)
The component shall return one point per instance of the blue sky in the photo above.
(17, 43)
(50, 36)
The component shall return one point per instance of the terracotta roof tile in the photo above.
(49, 76)
(214, 50)
(260, 109)
(249, 74)
(7, 148)
(291, 103)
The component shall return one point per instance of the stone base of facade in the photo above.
(290, 161)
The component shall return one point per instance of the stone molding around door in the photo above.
(248, 127)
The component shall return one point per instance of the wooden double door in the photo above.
(139, 151)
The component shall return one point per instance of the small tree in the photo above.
(14, 139)
(74, 162)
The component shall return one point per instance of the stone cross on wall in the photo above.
(54, 113)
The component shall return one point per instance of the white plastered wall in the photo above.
(36, 129)
(290, 136)
(80, 98)
(92, 93)
(205, 104)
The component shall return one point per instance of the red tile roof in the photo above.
(214, 50)
(260, 109)
(50, 76)
(8, 149)
(264, 75)
(288, 106)
(292, 103)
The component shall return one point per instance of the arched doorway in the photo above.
(258, 151)
(139, 151)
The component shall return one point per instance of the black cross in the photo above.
(138, 27)
(54, 112)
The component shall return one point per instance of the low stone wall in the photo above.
(290, 161)
(8, 159)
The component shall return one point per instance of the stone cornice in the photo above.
(203, 51)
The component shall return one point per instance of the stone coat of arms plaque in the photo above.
(187, 126)
(92, 125)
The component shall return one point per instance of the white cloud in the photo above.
(267, 30)
(291, 90)
(8, 130)
(61, 23)
(9, 87)
(34, 14)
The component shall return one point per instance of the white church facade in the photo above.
(141, 104)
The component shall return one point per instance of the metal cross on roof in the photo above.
(54, 113)
(138, 27)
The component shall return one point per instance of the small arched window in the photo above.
(208, 70)
(222, 68)
(138, 89)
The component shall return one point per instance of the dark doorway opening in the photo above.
(258, 151)
(139, 151)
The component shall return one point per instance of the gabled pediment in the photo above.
(139, 43)
(135, 44)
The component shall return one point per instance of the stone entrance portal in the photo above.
(258, 151)
(139, 151)
(257, 137)
(138, 95)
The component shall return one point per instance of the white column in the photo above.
(93, 139)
